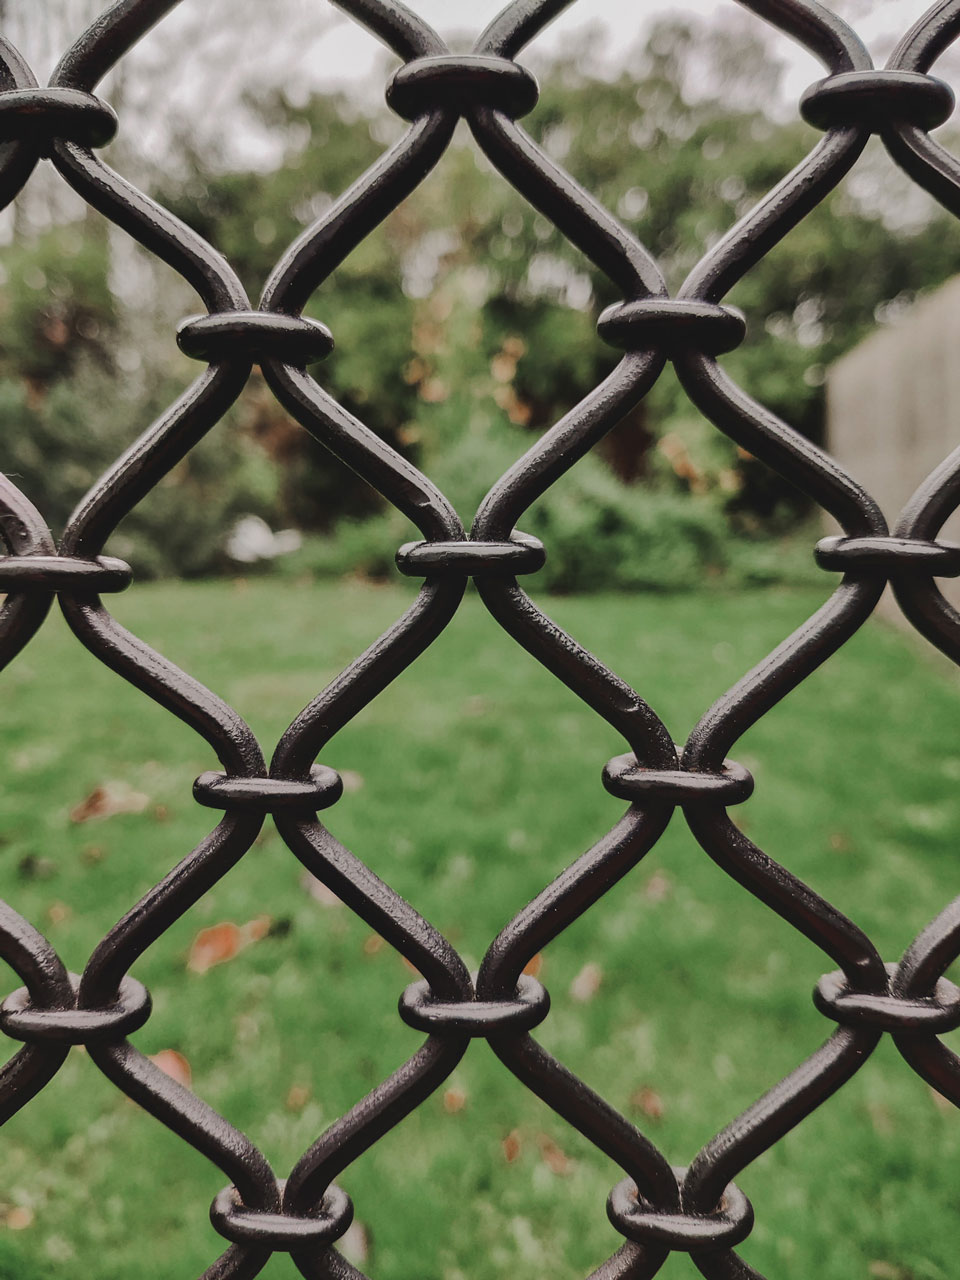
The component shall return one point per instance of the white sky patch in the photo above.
(348, 54)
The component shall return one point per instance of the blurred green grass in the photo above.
(478, 778)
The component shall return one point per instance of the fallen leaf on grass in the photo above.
(18, 1218)
(108, 799)
(454, 1100)
(534, 967)
(649, 1102)
(255, 930)
(587, 983)
(297, 1097)
(887, 1271)
(59, 912)
(512, 1146)
(174, 1065)
(557, 1161)
(658, 887)
(221, 942)
(373, 944)
(216, 945)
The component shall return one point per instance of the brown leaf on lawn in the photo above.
(221, 942)
(373, 944)
(297, 1097)
(658, 887)
(649, 1102)
(887, 1271)
(108, 799)
(512, 1146)
(454, 1100)
(174, 1065)
(319, 891)
(255, 930)
(216, 945)
(840, 842)
(587, 983)
(534, 967)
(557, 1161)
(18, 1218)
(58, 912)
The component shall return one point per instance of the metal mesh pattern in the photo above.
(657, 1208)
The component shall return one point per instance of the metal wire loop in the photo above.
(45, 116)
(876, 100)
(477, 1018)
(896, 1014)
(22, 1020)
(522, 554)
(672, 325)
(281, 1232)
(729, 1224)
(255, 336)
(460, 82)
(627, 779)
(890, 556)
(267, 795)
(103, 575)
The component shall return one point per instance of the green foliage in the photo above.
(68, 410)
(58, 442)
(465, 324)
(251, 220)
(56, 307)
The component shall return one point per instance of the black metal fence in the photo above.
(657, 1208)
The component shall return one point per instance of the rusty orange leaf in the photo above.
(174, 1065)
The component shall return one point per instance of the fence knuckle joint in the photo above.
(323, 788)
(634, 1217)
(460, 83)
(253, 337)
(899, 1015)
(877, 100)
(22, 1020)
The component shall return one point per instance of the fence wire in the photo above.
(657, 1208)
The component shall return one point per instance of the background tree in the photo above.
(466, 322)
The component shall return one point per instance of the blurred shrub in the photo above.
(600, 536)
(57, 443)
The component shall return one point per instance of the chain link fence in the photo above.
(657, 1208)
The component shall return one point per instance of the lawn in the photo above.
(473, 780)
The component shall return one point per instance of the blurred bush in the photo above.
(465, 327)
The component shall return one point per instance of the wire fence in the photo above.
(657, 1208)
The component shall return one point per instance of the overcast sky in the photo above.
(188, 75)
(347, 51)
